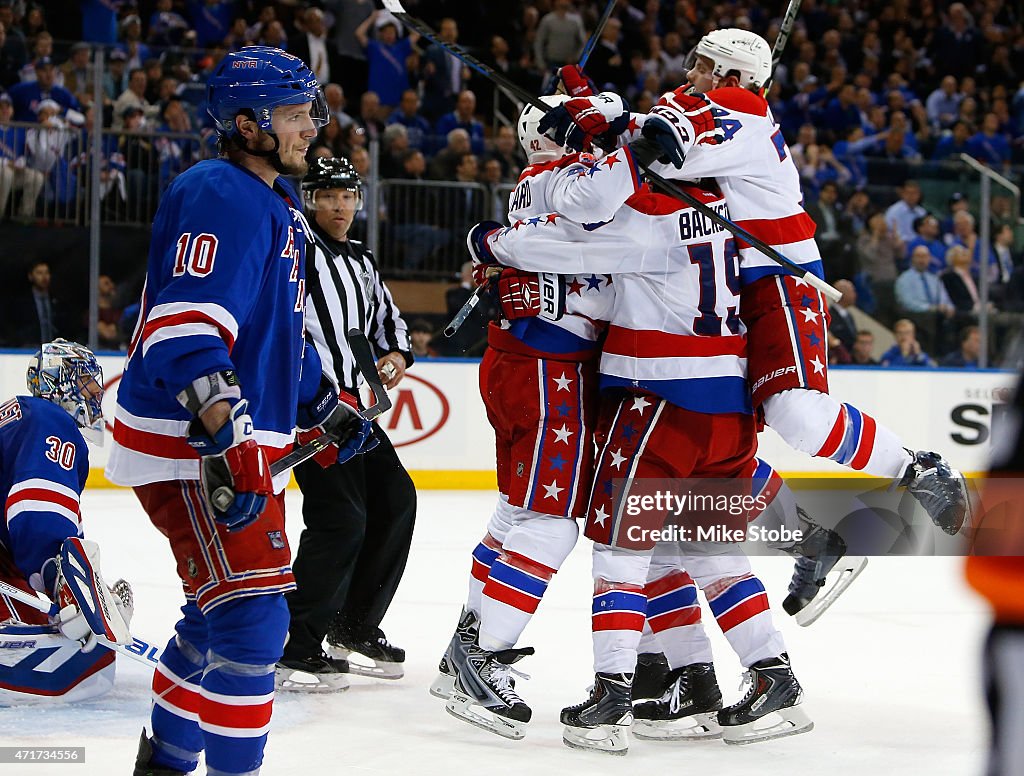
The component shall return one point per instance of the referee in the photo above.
(358, 516)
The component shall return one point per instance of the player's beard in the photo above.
(301, 167)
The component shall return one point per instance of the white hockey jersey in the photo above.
(674, 328)
(589, 297)
(755, 170)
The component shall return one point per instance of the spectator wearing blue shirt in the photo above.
(900, 215)
(968, 352)
(27, 96)
(15, 173)
(989, 145)
(928, 234)
(388, 57)
(907, 350)
(211, 19)
(99, 20)
(463, 118)
(921, 291)
(851, 152)
(841, 112)
(943, 104)
(131, 41)
(954, 143)
(417, 128)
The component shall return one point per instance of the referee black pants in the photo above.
(359, 519)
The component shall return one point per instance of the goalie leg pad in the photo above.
(38, 664)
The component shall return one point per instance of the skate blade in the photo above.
(790, 721)
(367, 666)
(606, 739)
(845, 571)
(288, 680)
(442, 686)
(469, 710)
(696, 727)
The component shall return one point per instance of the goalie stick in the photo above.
(140, 650)
(381, 403)
(518, 93)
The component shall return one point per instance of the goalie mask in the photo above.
(736, 52)
(336, 173)
(68, 375)
(538, 147)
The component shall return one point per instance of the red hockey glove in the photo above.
(530, 294)
(234, 473)
(695, 107)
(575, 82)
(576, 122)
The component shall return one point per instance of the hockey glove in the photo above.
(484, 262)
(679, 120)
(660, 141)
(87, 607)
(531, 294)
(575, 82)
(576, 122)
(233, 471)
(354, 434)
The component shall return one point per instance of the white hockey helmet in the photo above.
(740, 51)
(538, 147)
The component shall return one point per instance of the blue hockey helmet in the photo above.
(260, 78)
(68, 375)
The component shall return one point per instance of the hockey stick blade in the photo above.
(847, 570)
(516, 92)
(139, 650)
(382, 403)
(464, 311)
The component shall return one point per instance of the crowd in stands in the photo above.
(868, 93)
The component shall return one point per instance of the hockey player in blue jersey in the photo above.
(209, 399)
(44, 462)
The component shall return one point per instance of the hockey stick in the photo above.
(595, 36)
(785, 30)
(139, 650)
(382, 403)
(465, 310)
(518, 93)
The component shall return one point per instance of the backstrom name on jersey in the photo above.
(695, 224)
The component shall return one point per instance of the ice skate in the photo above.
(485, 695)
(601, 723)
(455, 654)
(940, 489)
(143, 766)
(820, 553)
(317, 674)
(649, 679)
(686, 709)
(770, 709)
(372, 656)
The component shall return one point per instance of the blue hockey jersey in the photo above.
(43, 466)
(225, 289)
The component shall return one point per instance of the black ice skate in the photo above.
(770, 709)
(371, 655)
(686, 709)
(455, 654)
(485, 695)
(601, 723)
(319, 674)
(649, 679)
(940, 489)
(143, 766)
(822, 551)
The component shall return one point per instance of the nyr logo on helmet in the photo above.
(251, 64)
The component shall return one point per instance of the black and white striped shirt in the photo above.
(345, 291)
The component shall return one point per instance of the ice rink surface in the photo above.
(891, 673)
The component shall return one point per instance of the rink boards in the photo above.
(440, 430)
